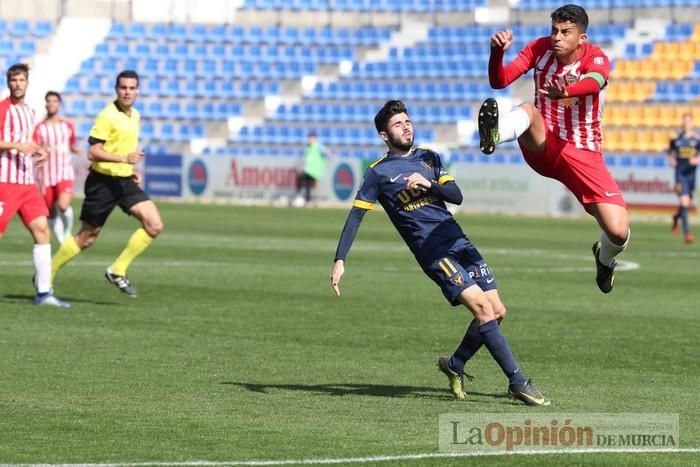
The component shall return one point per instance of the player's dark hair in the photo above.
(16, 69)
(129, 74)
(572, 13)
(391, 108)
(54, 94)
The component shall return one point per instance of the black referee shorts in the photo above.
(104, 192)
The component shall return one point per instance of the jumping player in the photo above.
(560, 135)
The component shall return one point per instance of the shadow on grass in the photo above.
(376, 390)
(19, 299)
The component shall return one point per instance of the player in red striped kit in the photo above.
(560, 134)
(18, 190)
(57, 136)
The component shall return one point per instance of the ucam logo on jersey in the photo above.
(343, 182)
(197, 177)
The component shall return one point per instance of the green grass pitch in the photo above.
(238, 350)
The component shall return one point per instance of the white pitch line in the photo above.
(360, 460)
(622, 265)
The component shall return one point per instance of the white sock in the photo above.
(608, 250)
(512, 125)
(42, 267)
(56, 224)
(67, 222)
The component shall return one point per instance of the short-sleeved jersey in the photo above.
(119, 133)
(16, 126)
(314, 160)
(57, 137)
(684, 148)
(420, 217)
(574, 119)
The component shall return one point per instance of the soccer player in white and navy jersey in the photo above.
(18, 190)
(57, 135)
(560, 134)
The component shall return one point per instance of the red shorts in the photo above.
(583, 172)
(25, 199)
(51, 192)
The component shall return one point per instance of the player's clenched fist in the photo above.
(135, 157)
(502, 39)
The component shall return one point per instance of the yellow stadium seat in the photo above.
(611, 140)
(634, 116)
(673, 51)
(650, 116)
(642, 90)
(623, 141)
(660, 140)
(686, 51)
(667, 115)
(621, 69)
(615, 115)
(645, 69)
(681, 69)
(663, 69)
(643, 140)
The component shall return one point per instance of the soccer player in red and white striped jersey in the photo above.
(18, 190)
(57, 136)
(560, 134)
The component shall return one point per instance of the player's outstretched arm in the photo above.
(352, 225)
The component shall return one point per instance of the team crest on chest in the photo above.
(570, 79)
(427, 165)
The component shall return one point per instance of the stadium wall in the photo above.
(489, 186)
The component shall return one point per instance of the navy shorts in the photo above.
(685, 185)
(458, 268)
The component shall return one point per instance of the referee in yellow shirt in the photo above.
(112, 181)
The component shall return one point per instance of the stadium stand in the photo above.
(244, 89)
(19, 39)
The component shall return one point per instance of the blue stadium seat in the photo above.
(43, 29)
(175, 110)
(135, 31)
(76, 108)
(198, 32)
(154, 88)
(157, 32)
(84, 129)
(147, 131)
(116, 30)
(154, 109)
(166, 133)
(177, 32)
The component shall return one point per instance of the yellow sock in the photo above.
(67, 252)
(138, 242)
